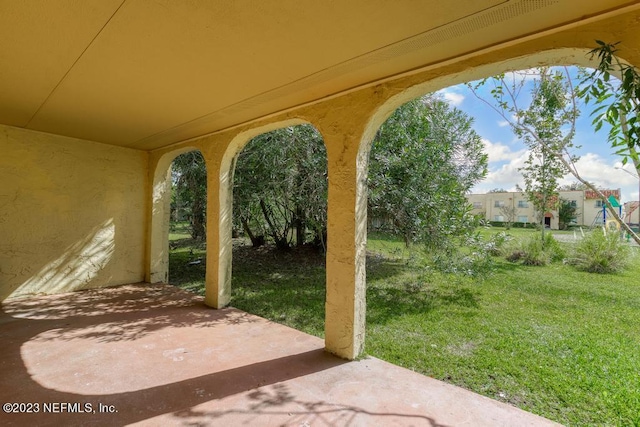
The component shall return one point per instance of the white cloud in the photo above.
(498, 152)
(503, 123)
(454, 99)
(452, 96)
(596, 169)
(591, 167)
(505, 176)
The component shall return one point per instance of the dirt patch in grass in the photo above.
(269, 257)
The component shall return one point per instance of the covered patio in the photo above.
(156, 355)
(97, 97)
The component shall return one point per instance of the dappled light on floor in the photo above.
(159, 356)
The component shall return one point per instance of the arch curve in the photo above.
(552, 57)
(157, 270)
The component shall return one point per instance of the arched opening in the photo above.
(279, 227)
(187, 230)
(505, 336)
(178, 237)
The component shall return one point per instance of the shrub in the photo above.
(600, 252)
(497, 243)
(471, 258)
(533, 252)
(553, 247)
(473, 263)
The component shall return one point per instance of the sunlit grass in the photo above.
(551, 340)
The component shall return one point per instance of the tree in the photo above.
(574, 186)
(541, 127)
(498, 190)
(567, 212)
(510, 213)
(423, 160)
(554, 101)
(280, 186)
(189, 182)
(541, 173)
(618, 100)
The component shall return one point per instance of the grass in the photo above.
(551, 340)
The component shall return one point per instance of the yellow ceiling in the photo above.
(148, 73)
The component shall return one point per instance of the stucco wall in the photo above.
(72, 213)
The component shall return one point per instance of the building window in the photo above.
(573, 203)
(498, 218)
(477, 205)
(498, 204)
(523, 204)
(523, 218)
(598, 203)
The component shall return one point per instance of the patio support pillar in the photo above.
(158, 215)
(343, 128)
(219, 219)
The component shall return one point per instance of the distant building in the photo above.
(589, 207)
(632, 213)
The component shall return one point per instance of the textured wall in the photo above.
(72, 213)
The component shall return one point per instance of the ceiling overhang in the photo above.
(146, 74)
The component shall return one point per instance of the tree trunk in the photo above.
(197, 220)
(281, 242)
(256, 241)
(299, 221)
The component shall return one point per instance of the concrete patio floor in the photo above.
(158, 356)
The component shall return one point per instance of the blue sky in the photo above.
(507, 153)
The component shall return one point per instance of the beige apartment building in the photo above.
(589, 207)
(631, 212)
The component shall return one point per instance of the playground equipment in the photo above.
(603, 214)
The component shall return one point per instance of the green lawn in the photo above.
(551, 340)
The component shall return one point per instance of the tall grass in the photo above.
(601, 251)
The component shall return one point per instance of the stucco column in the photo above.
(343, 131)
(157, 268)
(158, 215)
(346, 255)
(219, 221)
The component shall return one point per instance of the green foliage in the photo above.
(541, 126)
(280, 185)
(536, 252)
(566, 213)
(472, 259)
(497, 243)
(553, 247)
(618, 100)
(601, 252)
(423, 160)
(189, 185)
(551, 340)
(513, 225)
(546, 124)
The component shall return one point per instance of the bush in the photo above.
(533, 252)
(513, 224)
(600, 252)
(472, 258)
(475, 263)
(497, 243)
(553, 247)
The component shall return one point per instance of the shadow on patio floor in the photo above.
(158, 356)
